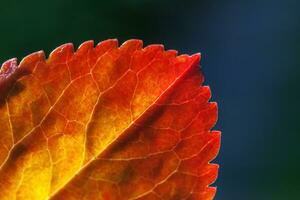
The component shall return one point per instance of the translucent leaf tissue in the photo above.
(106, 122)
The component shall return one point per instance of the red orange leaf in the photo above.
(106, 122)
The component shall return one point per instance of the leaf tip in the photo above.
(196, 57)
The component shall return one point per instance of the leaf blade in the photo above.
(91, 100)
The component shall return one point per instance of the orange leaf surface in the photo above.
(106, 122)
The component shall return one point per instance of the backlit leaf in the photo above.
(106, 122)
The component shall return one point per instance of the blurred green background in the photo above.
(250, 58)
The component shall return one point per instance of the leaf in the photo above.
(106, 122)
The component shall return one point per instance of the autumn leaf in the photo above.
(106, 122)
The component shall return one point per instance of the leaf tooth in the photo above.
(150, 47)
(9, 73)
(108, 42)
(215, 145)
(12, 71)
(8, 66)
(61, 53)
(85, 47)
(172, 52)
(132, 45)
(30, 61)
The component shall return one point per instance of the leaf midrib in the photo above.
(168, 89)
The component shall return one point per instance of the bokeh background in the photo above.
(250, 58)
